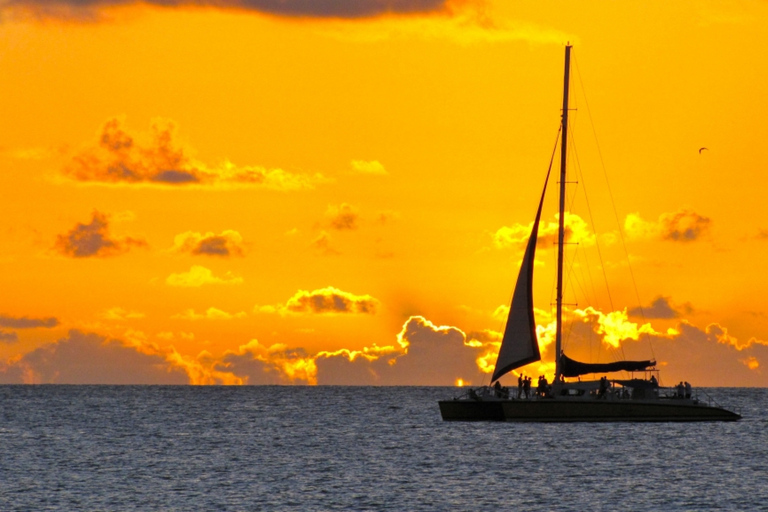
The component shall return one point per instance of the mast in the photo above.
(561, 220)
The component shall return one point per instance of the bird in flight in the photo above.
(702, 149)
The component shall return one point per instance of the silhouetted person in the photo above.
(688, 389)
(603, 387)
(520, 386)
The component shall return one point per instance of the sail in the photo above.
(572, 368)
(519, 346)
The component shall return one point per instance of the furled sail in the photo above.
(572, 368)
(519, 346)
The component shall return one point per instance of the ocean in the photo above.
(260, 448)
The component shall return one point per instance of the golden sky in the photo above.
(339, 192)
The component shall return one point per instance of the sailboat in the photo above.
(638, 398)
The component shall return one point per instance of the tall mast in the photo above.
(561, 220)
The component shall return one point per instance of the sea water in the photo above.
(167, 448)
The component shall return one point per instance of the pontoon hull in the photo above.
(565, 410)
(472, 410)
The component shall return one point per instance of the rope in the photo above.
(613, 205)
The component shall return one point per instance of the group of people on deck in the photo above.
(683, 390)
(524, 386)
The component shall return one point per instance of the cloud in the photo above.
(94, 240)
(257, 364)
(83, 358)
(330, 300)
(283, 8)
(661, 308)
(684, 225)
(159, 158)
(576, 231)
(323, 244)
(461, 21)
(27, 323)
(372, 167)
(425, 354)
(343, 216)
(210, 314)
(228, 243)
(121, 314)
(708, 356)
(422, 353)
(199, 276)
(8, 337)
(90, 358)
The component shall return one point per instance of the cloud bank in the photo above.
(285, 8)
(422, 353)
(87, 358)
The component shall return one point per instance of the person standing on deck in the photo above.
(520, 386)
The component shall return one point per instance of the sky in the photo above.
(339, 192)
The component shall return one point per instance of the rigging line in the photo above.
(590, 293)
(592, 221)
(613, 204)
(582, 251)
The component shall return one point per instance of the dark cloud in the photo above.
(26, 322)
(343, 216)
(707, 356)
(228, 243)
(661, 308)
(429, 355)
(159, 158)
(331, 300)
(284, 8)
(8, 337)
(710, 357)
(175, 177)
(213, 246)
(258, 365)
(83, 358)
(683, 226)
(93, 240)
(119, 158)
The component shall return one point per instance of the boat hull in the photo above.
(472, 410)
(565, 410)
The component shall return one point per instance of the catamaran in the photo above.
(629, 399)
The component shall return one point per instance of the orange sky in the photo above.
(262, 193)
